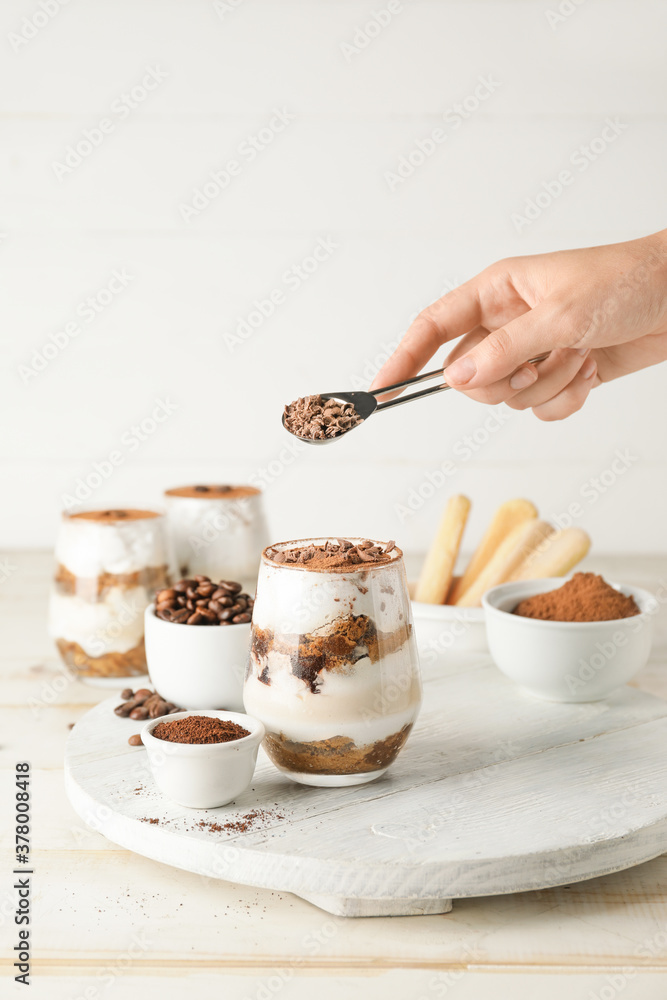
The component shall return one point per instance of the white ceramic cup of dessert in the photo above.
(566, 661)
(218, 531)
(203, 775)
(109, 564)
(333, 671)
(197, 666)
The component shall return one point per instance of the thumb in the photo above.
(504, 350)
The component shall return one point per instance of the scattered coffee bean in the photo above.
(136, 740)
(145, 704)
(126, 694)
(200, 601)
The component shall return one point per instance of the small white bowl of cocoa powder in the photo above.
(571, 640)
(203, 759)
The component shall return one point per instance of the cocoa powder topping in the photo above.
(199, 729)
(584, 598)
(335, 554)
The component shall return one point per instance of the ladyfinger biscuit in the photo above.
(507, 558)
(556, 557)
(438, 568)
(506, 518)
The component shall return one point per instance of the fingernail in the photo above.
(523, 378)
(583, 351)
(460, 371)
(588, 368)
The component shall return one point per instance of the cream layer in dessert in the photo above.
(218, 531)
(116, 542)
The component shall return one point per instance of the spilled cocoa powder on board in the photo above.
(584, 598)
(199, 729)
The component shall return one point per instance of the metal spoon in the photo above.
(366, 403)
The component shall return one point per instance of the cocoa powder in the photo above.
(584, 598)
(199, 729)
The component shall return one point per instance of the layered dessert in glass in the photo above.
(110, 563)
(218, 531)
(333, 671)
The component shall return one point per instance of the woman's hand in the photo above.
(601, 312)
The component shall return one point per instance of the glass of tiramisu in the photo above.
(110, 563)
(333, 671)
(218, 531)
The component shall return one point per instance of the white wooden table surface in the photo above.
(108, 923)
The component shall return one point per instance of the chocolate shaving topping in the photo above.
(318, 417)
(338, 553)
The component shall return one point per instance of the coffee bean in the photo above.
(136, 740)
(241, 619)
(172, 710)
(158, 709)
(126, 694)
(139, 713)
(200, 601)
(143, 693)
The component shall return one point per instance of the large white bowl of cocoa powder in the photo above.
(571, 641)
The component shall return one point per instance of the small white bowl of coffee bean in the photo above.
(197, 641)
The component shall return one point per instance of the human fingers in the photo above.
(505, 351)
(554, 374)
(573, 397)
(451, 316)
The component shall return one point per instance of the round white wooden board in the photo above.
(495, 792)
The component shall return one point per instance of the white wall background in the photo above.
(228, 65)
